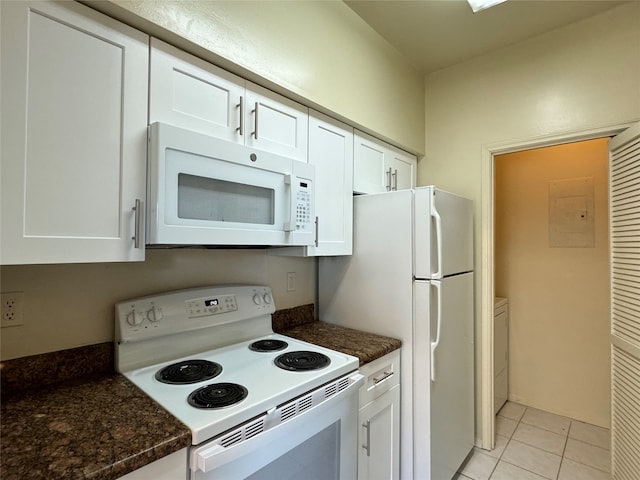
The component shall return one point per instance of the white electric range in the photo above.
(209, 356)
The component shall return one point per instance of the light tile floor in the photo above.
(535, 445)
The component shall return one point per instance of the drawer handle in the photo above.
(386, 375)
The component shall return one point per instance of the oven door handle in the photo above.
(206, 459)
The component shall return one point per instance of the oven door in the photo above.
(312, 437)
(206, 191)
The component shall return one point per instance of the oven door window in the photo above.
(319, 444)
(210, 199)
(318, 458)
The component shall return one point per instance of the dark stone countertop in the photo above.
(91, 424)
(299, 323)
(68, 415)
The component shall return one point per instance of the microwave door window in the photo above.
(215, 200)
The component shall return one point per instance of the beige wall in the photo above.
(68, 306)
(558, 297)
(580, 77)
(319, 51)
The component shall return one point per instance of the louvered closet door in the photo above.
(625, 303)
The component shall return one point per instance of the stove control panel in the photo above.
(211, 305)
(188, 310)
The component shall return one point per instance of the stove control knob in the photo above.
(267, 298)
(257, 299)
(154, 314)
(134, 318)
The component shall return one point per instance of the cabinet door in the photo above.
(188, 92)
(401, 167)
(379, 438)
(276, 124)
(74, 118)
(369, 161)
(331, 152)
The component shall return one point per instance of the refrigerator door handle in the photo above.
(434, 213)
(436, 342)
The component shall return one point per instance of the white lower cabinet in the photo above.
(379, 420)
(171, 467)
(74, 135)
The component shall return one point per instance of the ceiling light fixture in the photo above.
(477, 5)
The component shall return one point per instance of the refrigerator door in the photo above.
(452, 375)
(443, 224)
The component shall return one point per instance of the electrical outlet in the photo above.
(291, 281)
(11, 309)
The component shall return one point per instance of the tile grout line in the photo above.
(564, 449)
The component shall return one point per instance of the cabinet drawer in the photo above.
(380, 376)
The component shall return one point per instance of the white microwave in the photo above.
(202, 190)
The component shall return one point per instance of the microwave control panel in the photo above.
(304, 213)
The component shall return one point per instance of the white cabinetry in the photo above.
(380, 167)
(171, 467)
(379, 419)
(189, 92)
(500, 353)
(74, 122)
(331, 152)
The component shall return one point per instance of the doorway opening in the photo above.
(485, 411)
(551, 262)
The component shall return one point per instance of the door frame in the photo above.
(486, 423)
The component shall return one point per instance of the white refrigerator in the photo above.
(411, 277)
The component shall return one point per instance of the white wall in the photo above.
(559, 358)
(317, 50)
(580, 77)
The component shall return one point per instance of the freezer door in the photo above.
(443, 225)
(452, 375)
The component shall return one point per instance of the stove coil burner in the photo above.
(302, 361)
(217, 395)
(188, 371)
(268, 345)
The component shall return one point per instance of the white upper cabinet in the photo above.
(189, 92)
(331, 151)
(380, 167)
(74, 123)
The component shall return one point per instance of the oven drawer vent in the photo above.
(244, 433)
(283, 413)
(296, 408)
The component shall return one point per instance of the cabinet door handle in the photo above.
(317, 228)
(255, 121)
(394, 175)
(139, 223)
(240, 128)
(367, 445)
(386, 375)
(388, 175)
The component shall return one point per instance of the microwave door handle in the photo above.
(291, 224)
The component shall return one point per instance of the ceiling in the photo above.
(434, 34)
